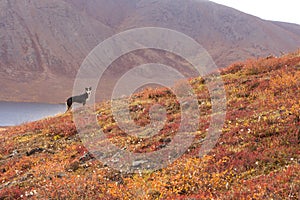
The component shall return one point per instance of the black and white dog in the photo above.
(80, 98)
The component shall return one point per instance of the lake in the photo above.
(13, 113)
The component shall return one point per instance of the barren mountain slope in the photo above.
(44, 42)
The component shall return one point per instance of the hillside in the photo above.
(44, 42)
(256, 157)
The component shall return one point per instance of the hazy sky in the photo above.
(276, 10)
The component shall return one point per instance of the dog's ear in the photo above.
(90, 88)
(86, 89)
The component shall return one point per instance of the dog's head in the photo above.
(88, 90)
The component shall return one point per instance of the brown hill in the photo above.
(44, 42)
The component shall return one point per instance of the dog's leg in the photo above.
(68, 108)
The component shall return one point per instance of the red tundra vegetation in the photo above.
(256, 157)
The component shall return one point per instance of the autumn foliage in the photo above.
(256, 157)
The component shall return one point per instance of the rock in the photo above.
(35, 150)
(73, 166)
(14, 153)
(165, 140)
(161, 146)
(87, 156)
(60, 175)
(138, 163)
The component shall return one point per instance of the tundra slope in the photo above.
(257, 155)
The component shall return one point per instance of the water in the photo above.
(12, 113)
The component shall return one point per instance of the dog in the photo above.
(80, 98)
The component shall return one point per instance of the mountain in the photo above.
(44, 42)
(294, 28)
(256, 156)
